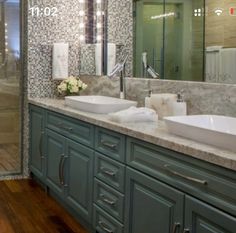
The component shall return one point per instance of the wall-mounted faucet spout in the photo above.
(120, 68)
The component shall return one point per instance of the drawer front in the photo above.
(110, 171)
(109, 199)
(103, 223)
(201, 179)
(74, 129)
(110, 143)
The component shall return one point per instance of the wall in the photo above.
(220, 30)
(44, 31)
(202, 98)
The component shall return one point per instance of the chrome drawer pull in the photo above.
(175, 227)
(107, 171)
(106, 200)
(41, 145)
(104, 227)
(60, 125)
(62, 173)
(108, 144)
(60, 169)
(186, 231)
(202, 182)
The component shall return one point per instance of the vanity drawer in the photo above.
(206, 181)
(104, 223)
(74, 129)
(110, 171)
(110, 143)
(109, 199)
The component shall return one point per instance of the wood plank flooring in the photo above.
(25, 208)
(9, 158)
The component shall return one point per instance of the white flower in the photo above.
(84, 86)
(62, 87)
(71, 85)
(74, 89)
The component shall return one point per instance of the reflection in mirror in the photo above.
(93, 26)
(177, 39)
(170, 37)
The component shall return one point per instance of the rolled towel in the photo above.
(134, 115)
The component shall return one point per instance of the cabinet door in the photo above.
(79, 177)
(55, 161)
(36, 160)
(152, 206)
(202, 218)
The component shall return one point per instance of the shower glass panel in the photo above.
(148, 36)
(172, 36)
(10, 159)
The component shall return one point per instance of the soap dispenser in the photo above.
(179, 107)
(148, 100)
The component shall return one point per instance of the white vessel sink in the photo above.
(219, 131)
(98, 104)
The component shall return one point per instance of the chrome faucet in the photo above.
(120, 68)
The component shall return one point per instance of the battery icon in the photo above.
(232, 11)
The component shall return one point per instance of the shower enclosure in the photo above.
(171, 33)
(10, 67)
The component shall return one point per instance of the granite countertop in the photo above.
(155, 133)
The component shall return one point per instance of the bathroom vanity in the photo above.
(130, 178)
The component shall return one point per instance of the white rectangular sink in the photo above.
(98, 104)
(219, 131)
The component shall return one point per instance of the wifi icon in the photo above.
(218, 11)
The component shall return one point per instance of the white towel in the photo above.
(98, 59)
(60, 61)
(111, 57)
(227, 65)
(215, 48)
(134, 115)
(212, 63)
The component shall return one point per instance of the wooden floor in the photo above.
(9, 158)
(24, 207)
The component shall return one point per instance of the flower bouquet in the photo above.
(71, 86)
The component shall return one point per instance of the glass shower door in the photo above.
(10, 159)
(184, 40)
(148, 36)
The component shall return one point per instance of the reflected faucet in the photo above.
(120, 68)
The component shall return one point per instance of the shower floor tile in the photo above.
(9, 158)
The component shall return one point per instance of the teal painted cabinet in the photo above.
(79, 178)
(202, 218)
(37, 146)
(152, 206)
(55, 161)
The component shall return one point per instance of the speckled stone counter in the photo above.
(155, 133)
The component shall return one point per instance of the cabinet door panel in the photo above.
(152, 206)
(55, 145)
(202, 218)
(37, 141)
(79, 178)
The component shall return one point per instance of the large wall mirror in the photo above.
(178, 39)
